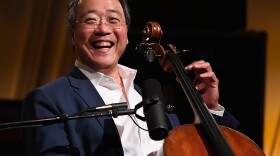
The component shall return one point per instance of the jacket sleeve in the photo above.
(39, 140)
(227, 120)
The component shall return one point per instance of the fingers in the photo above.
(202, 69)
(200, 65)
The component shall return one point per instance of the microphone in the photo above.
(118, 106)
(154, 110)
(148, 53)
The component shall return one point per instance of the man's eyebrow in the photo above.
(115, 11)
(94, 11)
(87, 12)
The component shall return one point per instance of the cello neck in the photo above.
(208, 124)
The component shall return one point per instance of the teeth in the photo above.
(102, 44)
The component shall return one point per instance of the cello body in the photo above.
(188, 140)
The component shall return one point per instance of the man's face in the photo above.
(102, 46)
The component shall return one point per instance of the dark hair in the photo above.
(71, 11)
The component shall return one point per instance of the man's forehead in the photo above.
(112, 6)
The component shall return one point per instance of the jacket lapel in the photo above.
(85, 89)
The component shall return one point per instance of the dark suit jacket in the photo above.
(90, 136)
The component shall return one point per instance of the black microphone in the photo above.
(148, 53)
(154, 110)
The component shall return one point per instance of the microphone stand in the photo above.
(111, 112)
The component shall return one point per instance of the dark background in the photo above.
(211, 30)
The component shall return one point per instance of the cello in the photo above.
(205, 137)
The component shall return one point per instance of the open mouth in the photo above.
(102, 44)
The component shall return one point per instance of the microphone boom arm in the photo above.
(114, 111)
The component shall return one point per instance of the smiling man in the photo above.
(99, 37)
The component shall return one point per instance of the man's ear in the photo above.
(127, 41)
(72, 40)
(72, 37)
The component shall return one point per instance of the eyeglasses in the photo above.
(94, 23)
